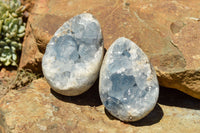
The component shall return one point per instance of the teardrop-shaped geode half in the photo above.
(73, 56)
(128, 84)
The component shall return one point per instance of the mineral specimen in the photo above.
(12, 30)
(128, 84)
(73, 57)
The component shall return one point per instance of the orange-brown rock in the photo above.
(167, 31)
(187, 41)
(37, 109)
(6, 79)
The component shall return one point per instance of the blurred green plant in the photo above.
(12, 31)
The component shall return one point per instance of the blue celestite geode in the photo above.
(73, 57)
(128, 84)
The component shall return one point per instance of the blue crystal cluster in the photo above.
(73, 57)
(128, 84)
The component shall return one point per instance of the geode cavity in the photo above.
(73, 57)
(128, 84)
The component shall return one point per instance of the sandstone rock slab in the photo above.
(73, 57)
(152, 25)
(35, 108)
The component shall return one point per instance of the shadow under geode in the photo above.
(152, 118)
(167, 96)
(173, 97)
(90, 97)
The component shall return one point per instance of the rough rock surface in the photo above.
(157, 26)
(128, 84)
(37, 109)
(6, 79)
(73, 57)
(186, 79)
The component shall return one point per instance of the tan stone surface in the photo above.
(167, 31)
(187, 41)
(6, 78)
(36, 109)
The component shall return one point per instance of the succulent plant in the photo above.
(12, 31)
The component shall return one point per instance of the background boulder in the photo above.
(167, 31)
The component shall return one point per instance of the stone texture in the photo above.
(157, 26)
(73, 57)
(6, 79)
(36, 108)
(128, 84)
(188, 43)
